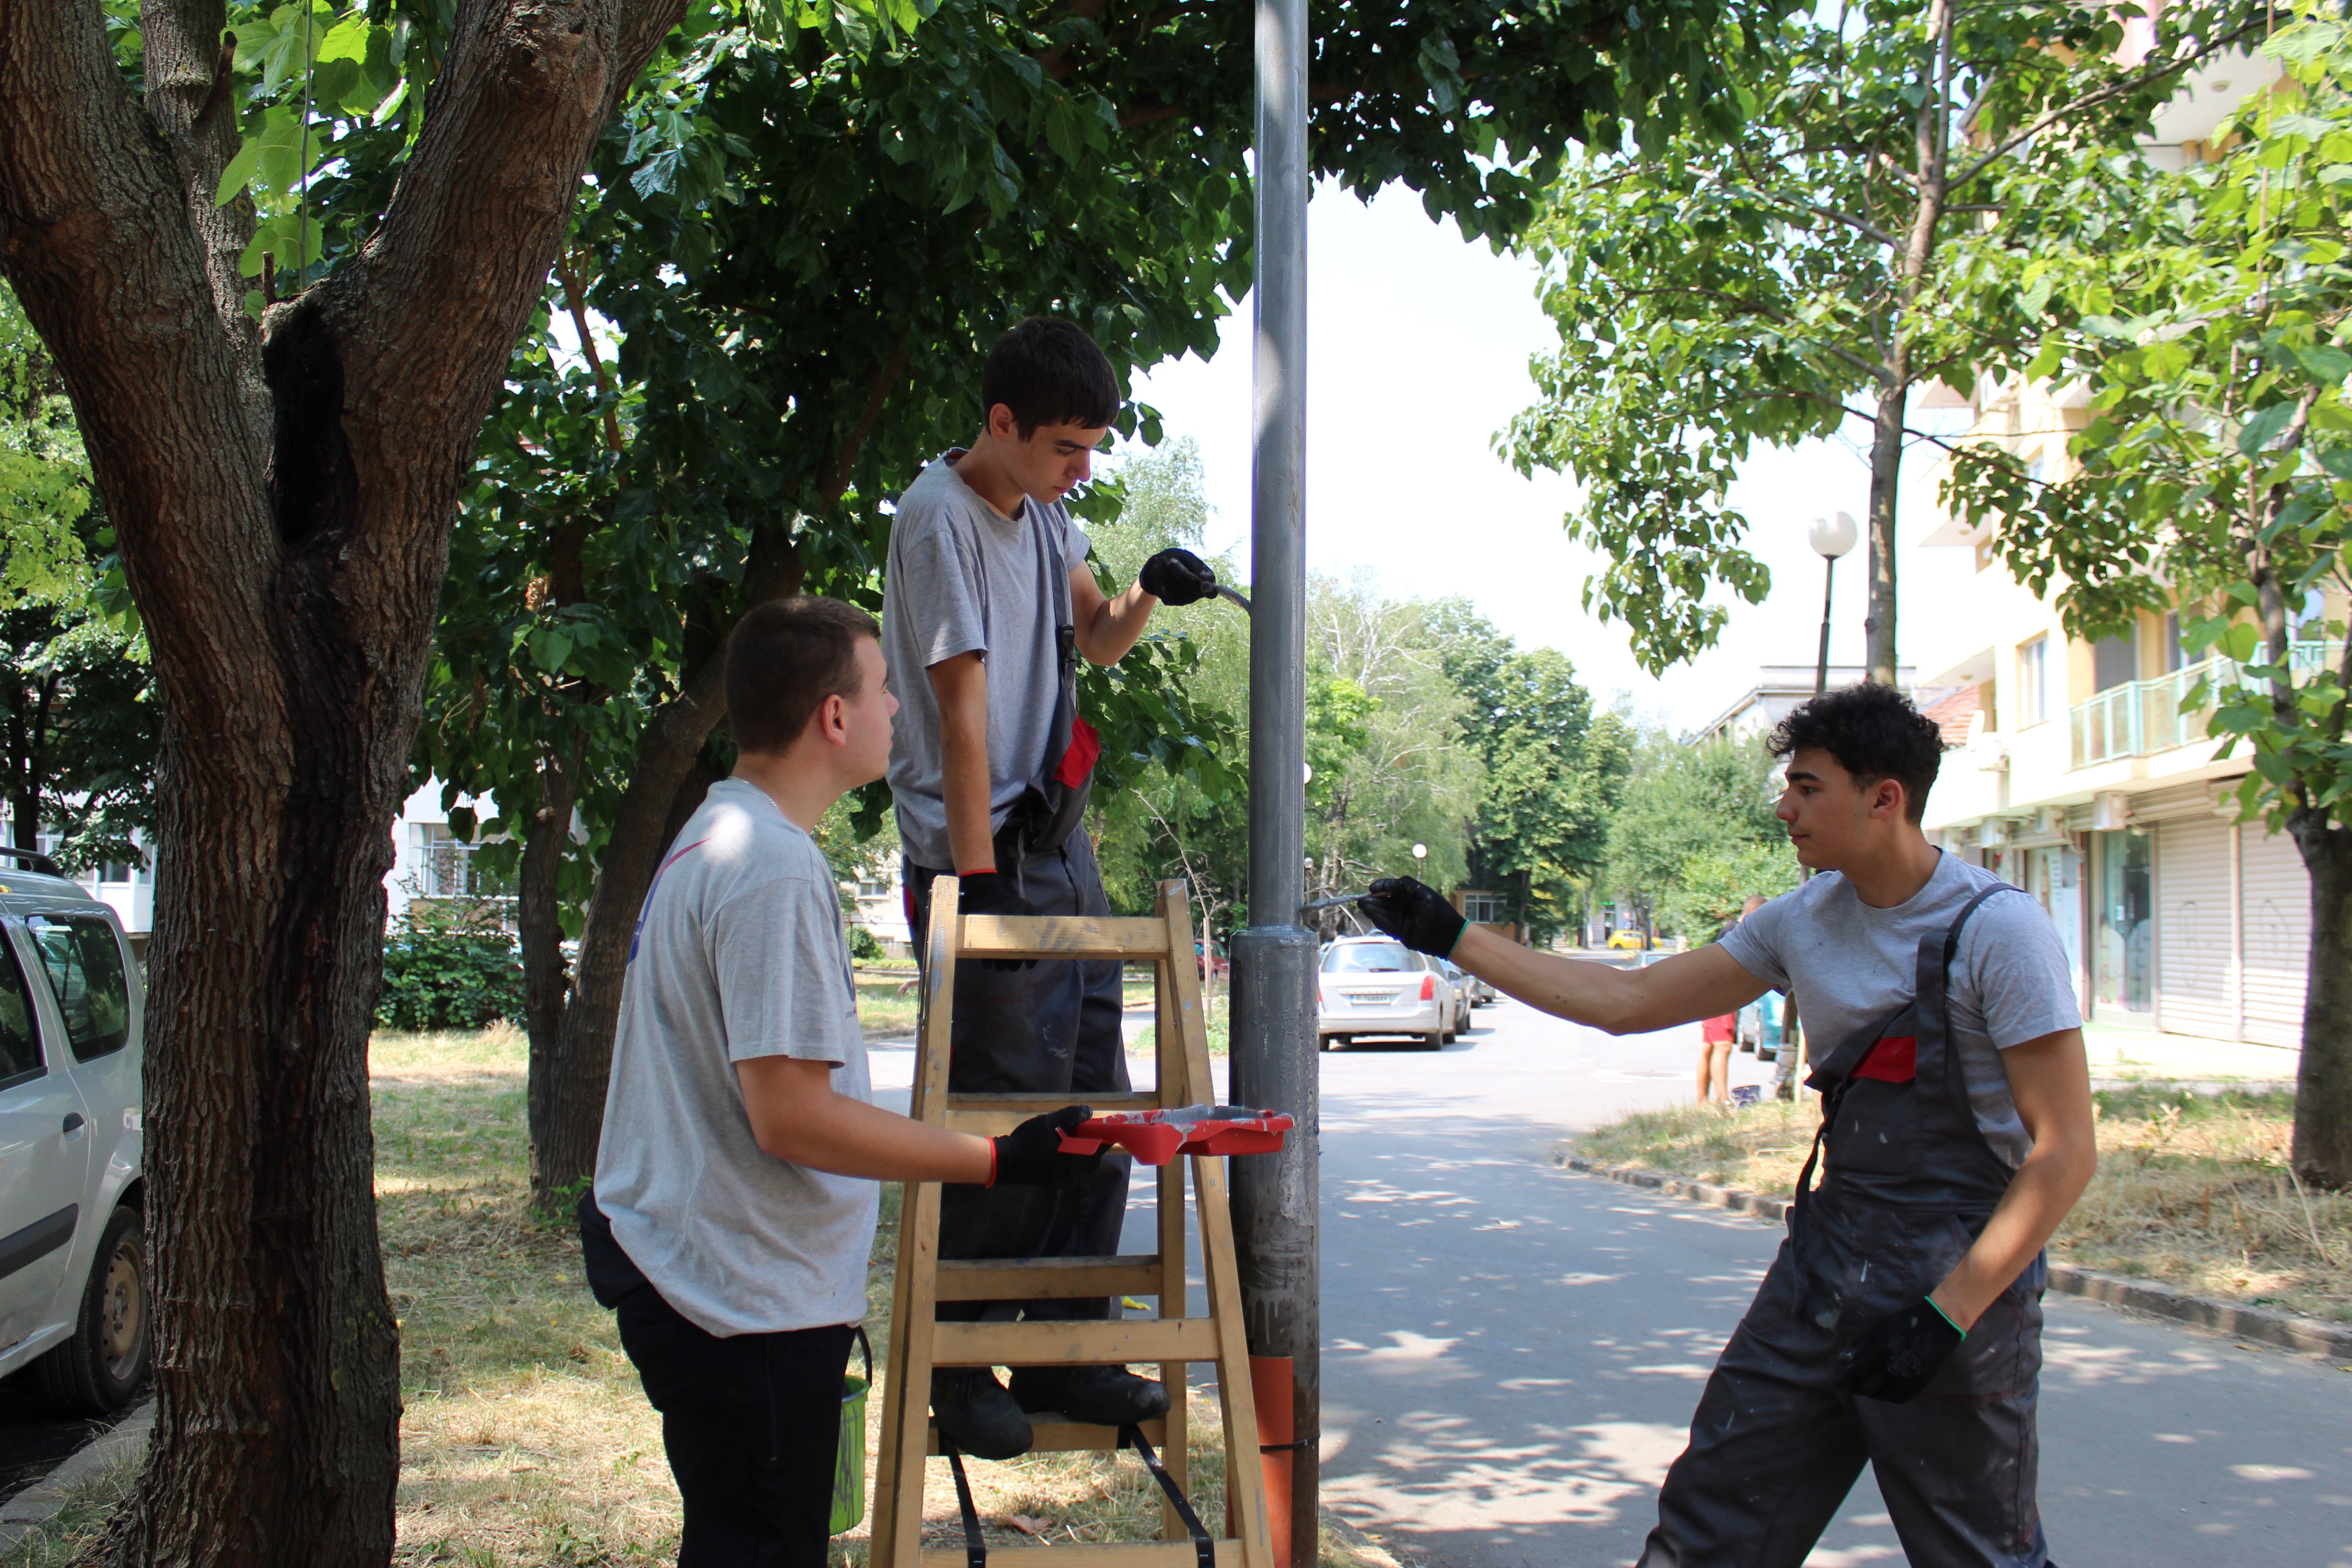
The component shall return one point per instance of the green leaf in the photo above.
(239, 171)
(2264, 428)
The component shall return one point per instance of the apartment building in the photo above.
(2086, 777)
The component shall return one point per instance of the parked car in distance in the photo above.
(1624, 939)
(1475, 993)
(1377, 985)
(75, 1312)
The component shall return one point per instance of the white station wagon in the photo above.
(1377, 985)
(74, 1314)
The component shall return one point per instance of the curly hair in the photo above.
(1875, 733)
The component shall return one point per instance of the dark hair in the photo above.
(1875, 733)
(1049, 372)
(783, 659)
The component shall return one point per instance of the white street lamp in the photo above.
(1831, 537)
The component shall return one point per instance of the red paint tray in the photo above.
(1155, 1137)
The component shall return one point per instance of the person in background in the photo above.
(1720, 1033)
(734, 1202)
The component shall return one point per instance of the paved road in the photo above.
(1512, 1352)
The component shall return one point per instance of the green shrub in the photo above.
(863, 945)
(449, 968)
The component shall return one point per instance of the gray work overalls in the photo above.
(1775, 1446)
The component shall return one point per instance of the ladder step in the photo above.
(1076, 1436)
(1064, 936)
(1129, 1554)
(1095, 1342)
(1035, 1279)
(989, 1115)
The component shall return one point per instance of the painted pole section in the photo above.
(1829, 582)
(1273, 1044)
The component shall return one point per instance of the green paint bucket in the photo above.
(849, 1455)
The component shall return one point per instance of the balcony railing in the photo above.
(2142, 717)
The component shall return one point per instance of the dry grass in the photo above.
(526, 1441)
(2193, 1190)
(77, 1526)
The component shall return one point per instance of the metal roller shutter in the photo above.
(2276, 897)
(2192, 928)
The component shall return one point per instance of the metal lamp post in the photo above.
(1274, 1054)
(1831, 537)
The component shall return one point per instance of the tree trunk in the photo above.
(2323, 1089)
(1886, 483)
(283, 499)
(1931, 139)
(571, 1087)
(539, 904)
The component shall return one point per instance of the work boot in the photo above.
(1097, 1395)
(977, 1416)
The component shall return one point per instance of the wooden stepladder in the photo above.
(918, 1342)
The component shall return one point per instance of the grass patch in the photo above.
(2193, 1190)
(526, 1441)
(75, 1528)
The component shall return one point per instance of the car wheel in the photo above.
(96, 1371)
(1434, 1042)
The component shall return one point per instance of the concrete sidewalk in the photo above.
(2122, 1055)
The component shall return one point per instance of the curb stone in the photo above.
(1378, 1553)
(41, 1502)
(2283, 1330)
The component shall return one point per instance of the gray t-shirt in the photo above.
(1849, 966)
(739, 953)
(964, 577)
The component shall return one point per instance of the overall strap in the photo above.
(1934, 986)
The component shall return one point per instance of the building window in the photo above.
(2032, 681)
(1483, 909)
(873, 887)
(445, 865)
(2175, 655)
(2114, 661)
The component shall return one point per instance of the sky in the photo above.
(1418, 343)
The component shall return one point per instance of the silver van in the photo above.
(74, 1307)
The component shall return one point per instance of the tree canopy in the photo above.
(1717, 292)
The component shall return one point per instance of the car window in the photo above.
(83, 964)
(1375, 957)
(20, 1047)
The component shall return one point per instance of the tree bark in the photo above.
(1931, 133)
(539, 913)
(570, 1088)
(2323, 1089)
(283, 497)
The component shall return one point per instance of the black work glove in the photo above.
(1177, 577)
(1031, 1154)
(1898, 1356)
(1415, 913)
(992, 893)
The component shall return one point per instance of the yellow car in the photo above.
(1624, 939)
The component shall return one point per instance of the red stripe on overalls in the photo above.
(1894, 1059)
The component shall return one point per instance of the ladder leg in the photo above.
(897, 1526)
(1175, 1088)
(1245, 1478)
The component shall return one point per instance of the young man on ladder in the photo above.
(987, 605)
(1901, 1324)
